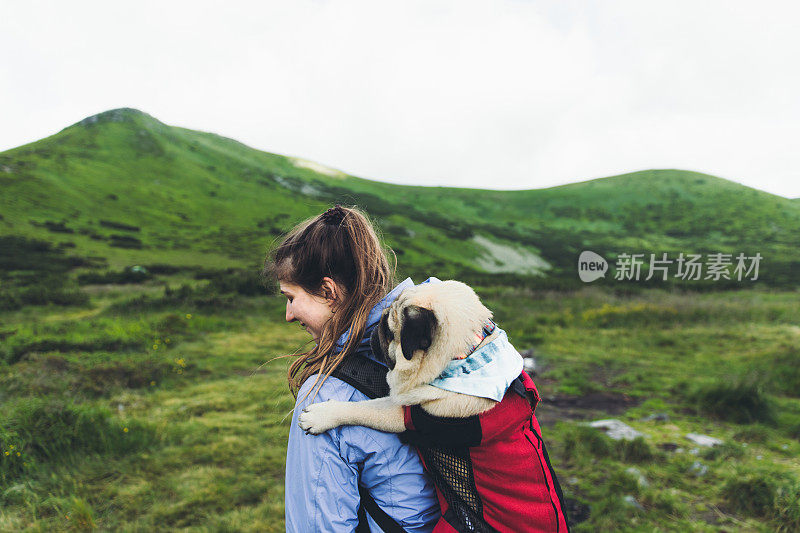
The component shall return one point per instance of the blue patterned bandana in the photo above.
(486, 373)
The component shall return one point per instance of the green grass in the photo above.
(215, 428)
(206, 442)
(184, 357)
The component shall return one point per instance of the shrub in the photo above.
(621, 482)
(160, 268)
(57, 227)
(782, 371)
(53, 430)
(667, 501)
(726, 450)
(125, 241)
(170, 324)
(81, 514)
(639, 314)
(119, 225)
(185, 297)
(45, 294)
(100, 379)
(786, 512)
(757, 434)
(246, 282)
(126, 276)
(584, 440)
(751, 496)
(57, 376)
(742, 403)
(637, 450)
(21, 253)
(9, 301)
(109, 344)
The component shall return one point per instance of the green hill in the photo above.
(155, 398)
(125, 188)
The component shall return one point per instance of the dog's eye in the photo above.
(389, 336)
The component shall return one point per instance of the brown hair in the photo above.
(342, 244)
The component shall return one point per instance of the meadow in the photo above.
(142, 378)
(159, 404)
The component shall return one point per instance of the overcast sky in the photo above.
(495, 94)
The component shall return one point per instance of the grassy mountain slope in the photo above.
(134, 400)
(123, 186)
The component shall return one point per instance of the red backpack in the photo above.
(491, 471)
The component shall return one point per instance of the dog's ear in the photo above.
(418, 327)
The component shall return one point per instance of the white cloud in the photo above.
(501, 94)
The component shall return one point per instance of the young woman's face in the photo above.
(311, 311)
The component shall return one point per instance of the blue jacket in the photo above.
(323, 471)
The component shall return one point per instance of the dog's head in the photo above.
(425, 328)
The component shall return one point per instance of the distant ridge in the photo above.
(122, 114)
(198, 197)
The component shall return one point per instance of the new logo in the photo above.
(591, 266)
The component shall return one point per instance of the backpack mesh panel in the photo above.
(451, 470)
(363, 374)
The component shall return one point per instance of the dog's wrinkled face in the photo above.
(414, 331)
(429, 324)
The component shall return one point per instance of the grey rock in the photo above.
(703, 440)
(698, 469)
(529, 365)
(616, 429)
(630, 500)
(637, 474)
(656, 417)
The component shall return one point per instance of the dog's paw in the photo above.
(319, 417)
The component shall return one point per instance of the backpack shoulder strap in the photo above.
(368, 377)
(364, 374)
(524, 386)
(384, 521)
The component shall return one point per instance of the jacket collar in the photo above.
(373, 318)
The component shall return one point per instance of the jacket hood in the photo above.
(374, 316)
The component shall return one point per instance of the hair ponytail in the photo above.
(342, 244)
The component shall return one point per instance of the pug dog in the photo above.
(418, 335)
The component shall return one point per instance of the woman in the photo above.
(335, 276)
